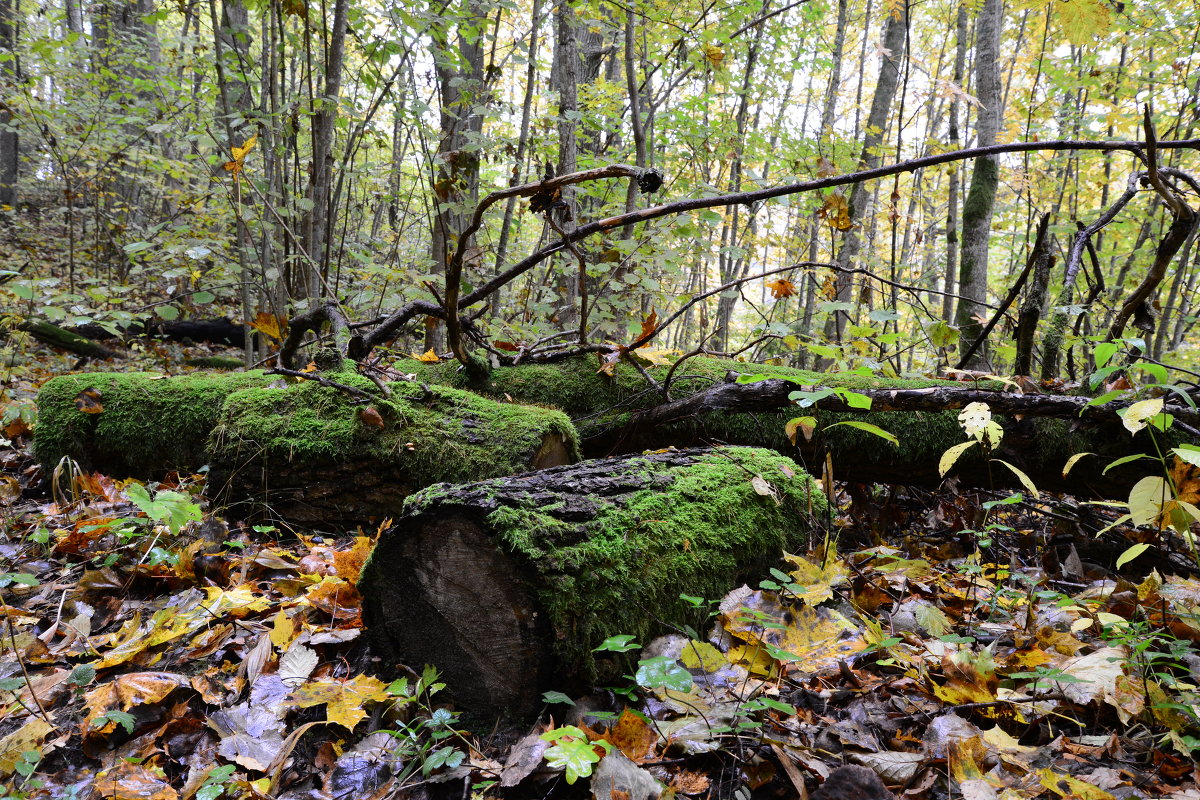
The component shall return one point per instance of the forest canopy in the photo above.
(260, 159)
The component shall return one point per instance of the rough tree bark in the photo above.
(508, 585)
(894, 41)
(981, 196)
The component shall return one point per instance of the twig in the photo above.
(313, 376)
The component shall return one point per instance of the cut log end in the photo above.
(467, 609)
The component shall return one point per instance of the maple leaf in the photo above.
(781, 288)
(343, 700)
(239, 155)
(269, 325)
(648, 325)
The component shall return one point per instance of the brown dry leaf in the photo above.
(836, 212)
(781, 288)
(509, 346)
(370, 417)
(343, 700)
(825, 168)
(609, 361)
(88, 401)
(687, 782)
(829, 288)
(633, 736)
(1186, 478)
(126, 691)
(269, 325)
(128, 781)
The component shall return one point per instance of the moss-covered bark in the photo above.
(306, 451)
(302, 451)
(484, 579)
(149, 423)
(603, 407)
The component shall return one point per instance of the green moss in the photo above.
(150, 423)
(443, 435)
(577, 387)
(701, 530)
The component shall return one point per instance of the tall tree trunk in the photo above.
(566, 75)
(456, 167)
(955, 141)
(893, 44)
(981, 196)
(316, 222)
(9, 76)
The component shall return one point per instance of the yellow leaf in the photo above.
(428, 357)
(283, 629)
(702, 655)
(1083, 22)
(268, 325)
(714, 55)
(239, 155)
(1067, 786)
(26, 737)
(343, 700)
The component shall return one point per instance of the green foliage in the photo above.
(573, 752)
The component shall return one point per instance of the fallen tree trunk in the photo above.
(302, 452)
(624, 413)
(508, 585)
(61, 338)
(218, 330)
(309, 454)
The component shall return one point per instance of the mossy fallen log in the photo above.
(300, 452)
(618, 414)
(508, 585)
(310, 454)
(136, 424)
(50, 334)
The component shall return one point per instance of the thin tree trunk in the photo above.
(9, 76)
(955, 141)
(981, 196)
(881, 105)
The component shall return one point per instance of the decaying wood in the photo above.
(508, 585)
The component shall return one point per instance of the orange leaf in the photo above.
(632, 736)
(648, 325)
(781, 288)
(836, 212)
(370, 417)
(509, 346)
(88, 401)
(269, 325)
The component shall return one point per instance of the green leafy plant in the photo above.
(572, 751)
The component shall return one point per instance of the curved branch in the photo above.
(736, 198)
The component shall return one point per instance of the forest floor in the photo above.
(954, 644)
